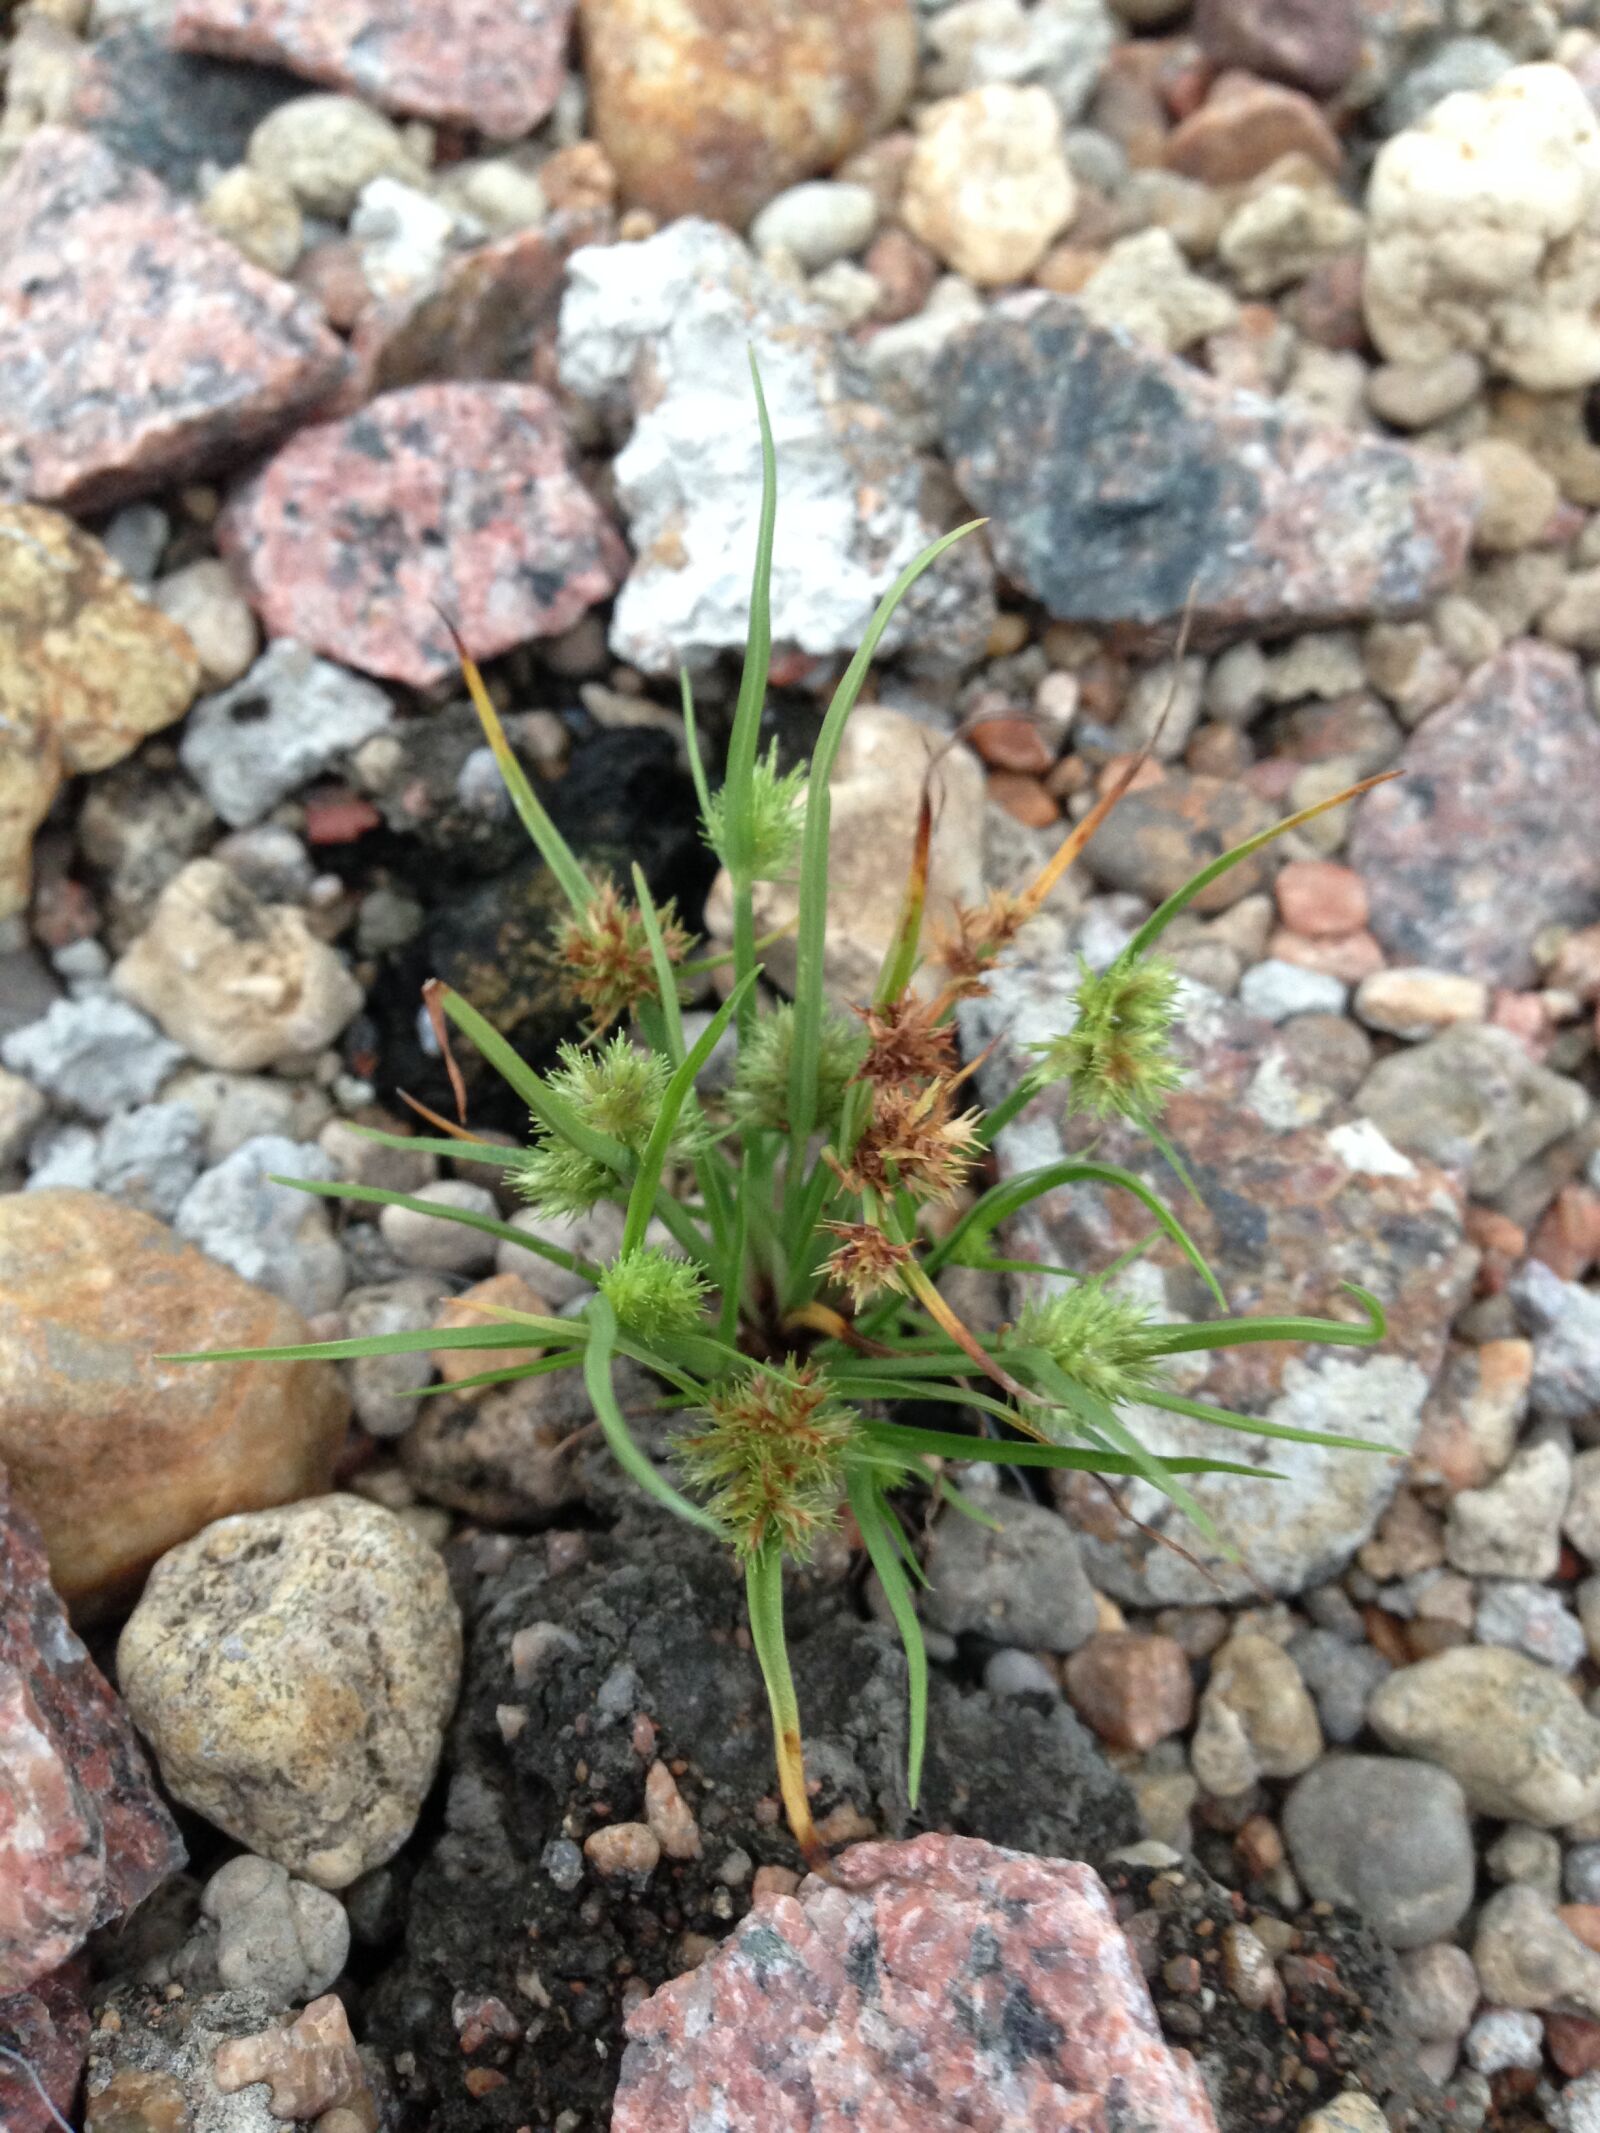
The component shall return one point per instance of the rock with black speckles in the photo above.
(450, 499)
(114, 387)
(170, 111)
(1122, 483)
(943, 1967)
(1488, 837)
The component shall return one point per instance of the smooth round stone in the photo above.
(1389, 1837)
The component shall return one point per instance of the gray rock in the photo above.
(816, 223)
(1510, 1730)
(1341, 1677)
(1580, 1873)
(1276, 990)
(1458, 63)
(1472, 1101)
(1526, 1957)
(235, 1108)
(1061, 44)
(149, 1157)
(379, 1383)
(1581, 1520)
(262, 1931)
(444, 1246)
(1014, 1673)
(1438, 1991)
(287, 720)
(1563, 1318)
(1533, 1619)
(1512, 1528)
(272, 1235)
(271, 861)
(1389, 1837)
(166, 2048)
(136, 538)
(692, 303)
(1528, 1856)
(1023, 1585)
(97, 1055)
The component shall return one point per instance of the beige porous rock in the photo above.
(988, 188)
(118, 1454)
(88, 669)
(1484, 233)
(240, 984)
(293, 1671)
(708, 110)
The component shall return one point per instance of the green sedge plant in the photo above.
(796, 1313)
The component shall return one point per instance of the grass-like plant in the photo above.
(812, 1207)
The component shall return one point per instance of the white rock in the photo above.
(208, 606)
(987, 187)
(1414, 1003)
(1277, 235)
(284, 723)
(1512, 1529)
(664, 330)
(1484, 233)
(263, 1931)
(436, 1242)
(403, 236)
(1275, 990)
(96, 1055)
(150, 1156)
(1061, 44)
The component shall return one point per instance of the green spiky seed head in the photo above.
(558, 1179)
(1098, 1339)
(653, 1293)
(1117, 1058)
(761, 1079)
(616, 1087)
(777, 818)
(771, 1457)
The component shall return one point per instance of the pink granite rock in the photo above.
(492, 66)
(83, 1835)
(47, 2028)
(945, 1982)
(454, 497)
(138, 348)
(1489, 837)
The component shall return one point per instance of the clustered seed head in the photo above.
(617, 1088)
(982, 933)
(605, 954)
(1117, 1058)
(1098, 1339)
(761, 1079)
(914, 1142)
(653, 1293)
(776, 818)
(771, 1456)
(907, 1042)
(864, 1261)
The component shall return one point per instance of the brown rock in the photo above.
(1007, 742)
(1568, 1236)
(88, 669)
(1244, 127)
(476, 1306)
(1318, 896)
(1024, 799)
(113, 388)
(1349, 957)
(1313, 45)
(1157, 838)
(896, 1986)
(703, 112)
(1134, 1690)
(623, 1849)
(118, 1454)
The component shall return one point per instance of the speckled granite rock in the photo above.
(48, 2026)
(88, 669)
(152, 2063)
(1121, 479)
(1297, 1198)
(139, 1453)
(493, 66)
(170, 111)
(83, 1834)
(458, 497)
(944, 1979)
(1481, 845)
(704, 111)
(112, 388)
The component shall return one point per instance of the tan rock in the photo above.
(876, 788)
(1256, 1719)
(1415, 1003)
(478, 1306)
(88, 669)
(988, 188)
(240, 984)
(293, 1671)
(117, 1454)
(1519, 495)
(703, 112)
(623, 1848)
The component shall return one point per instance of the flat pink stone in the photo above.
(453, 500)
(490, 66)
(946, 1983)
